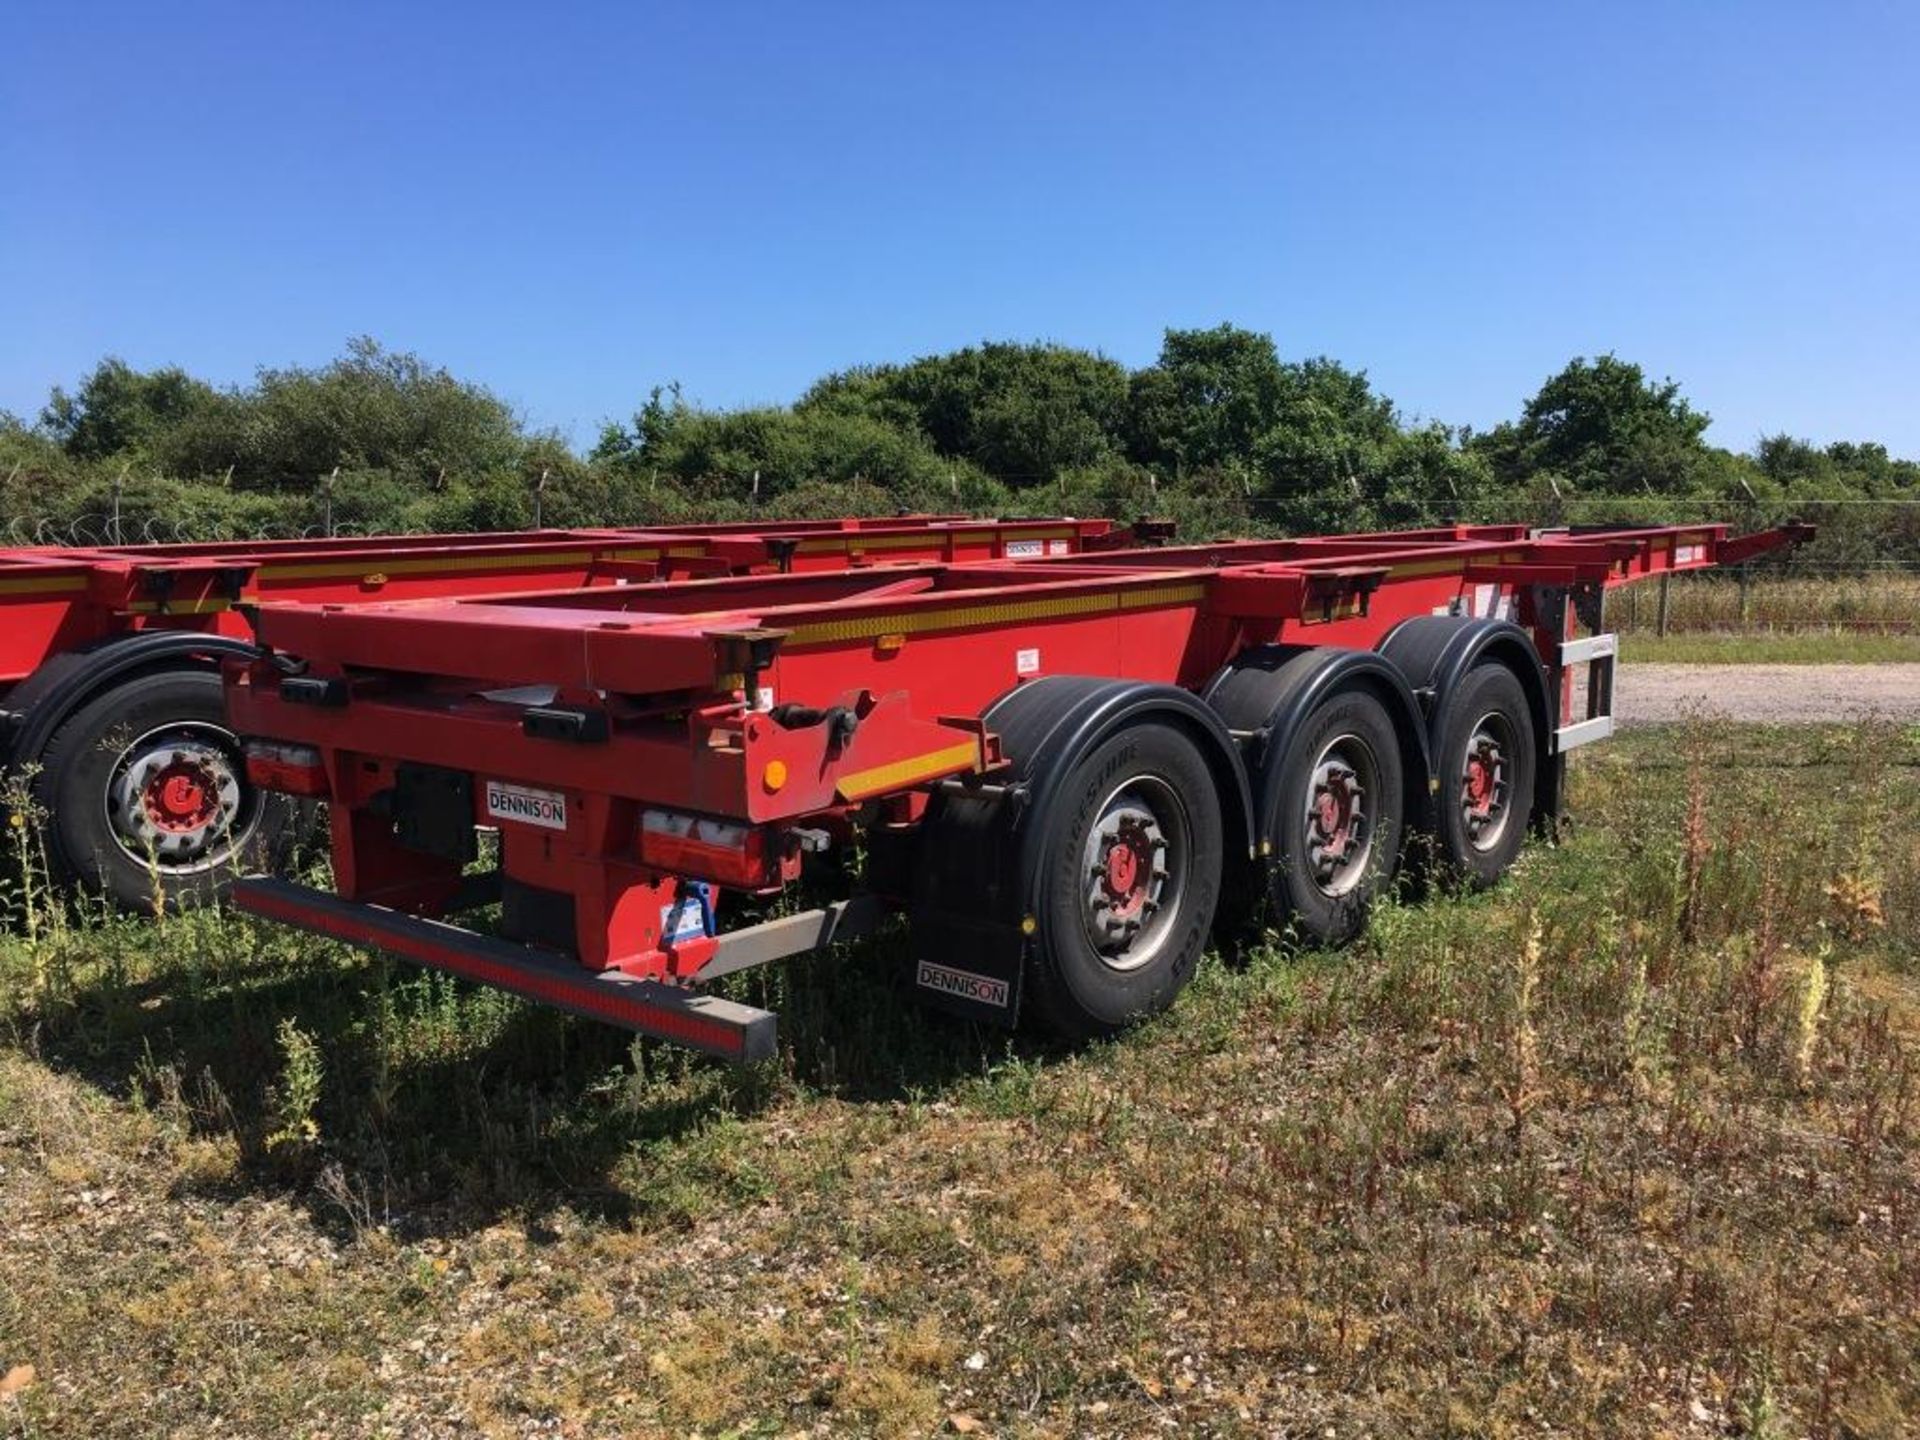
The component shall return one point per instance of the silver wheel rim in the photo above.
(1486, 800)
(1135, 866)
(175, 799)
(1337, 820)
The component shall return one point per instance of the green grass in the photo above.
(1795, 647)
(1627, 1143)
(1859, 620)
(1875, 602)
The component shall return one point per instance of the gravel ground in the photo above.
(1775, 694)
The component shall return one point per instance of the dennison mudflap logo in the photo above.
(963, 984)
(533, 807)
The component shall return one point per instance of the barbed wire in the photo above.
(107, 530)
(1528, 503)
(94, 532)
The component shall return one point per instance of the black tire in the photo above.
(83, 769)
(1487, 706)
(1331, 910)
(1073, 987)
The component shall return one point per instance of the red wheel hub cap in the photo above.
(1333, 814)
(1128, 865)
(1480, 781)
(180, 797)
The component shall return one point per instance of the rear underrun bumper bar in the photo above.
(703, 1022)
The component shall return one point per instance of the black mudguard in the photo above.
(980, 857)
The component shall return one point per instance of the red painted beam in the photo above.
(704, 1022)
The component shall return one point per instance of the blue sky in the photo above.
(574, 202)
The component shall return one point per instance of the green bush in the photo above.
(1219, 433)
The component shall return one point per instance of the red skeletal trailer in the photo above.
(1068, 772)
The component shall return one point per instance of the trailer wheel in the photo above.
(1339, 814)
(1485, 760)
(1134, 852)
(148, 796)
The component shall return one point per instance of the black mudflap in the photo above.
(537, 916)
(968, 966)
(968, 948)
(433, 811)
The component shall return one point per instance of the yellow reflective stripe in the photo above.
(1414, 569)
(901, 773)
(178, 607)
(854, 540)
(1054, 534)
(1011, 612)
(340, 569)
(1343, 610)
(1165, 595)
(57, 585)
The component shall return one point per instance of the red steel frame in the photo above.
(686, 762)
(57, 599)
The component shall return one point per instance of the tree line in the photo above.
(1220, 432)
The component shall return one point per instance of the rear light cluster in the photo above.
(289, 769)
(712, 849)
